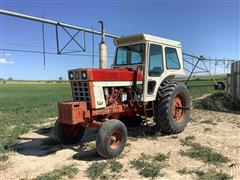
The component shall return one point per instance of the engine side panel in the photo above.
(100, 101)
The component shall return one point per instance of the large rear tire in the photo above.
(68, 134)
(172, 107)
(111, 138)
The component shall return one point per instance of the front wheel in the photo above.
(68, 134)
(111, 138)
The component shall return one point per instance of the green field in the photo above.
(26, 104)
(23, 105)
(197, 91)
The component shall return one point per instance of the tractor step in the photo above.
(148, 110)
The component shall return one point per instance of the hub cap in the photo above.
(115, 139)
(178, 108)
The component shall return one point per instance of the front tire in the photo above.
(172, 107)
(111, 138)
(68, 134)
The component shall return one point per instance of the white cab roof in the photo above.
(145, 37)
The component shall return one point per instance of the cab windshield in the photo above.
(131, 54)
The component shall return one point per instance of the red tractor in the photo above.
(138, 89)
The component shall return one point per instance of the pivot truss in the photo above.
(196, 65)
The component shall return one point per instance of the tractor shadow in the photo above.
(134, 133)
(41, 143)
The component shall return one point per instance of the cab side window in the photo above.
(172, 60)
(155, 60)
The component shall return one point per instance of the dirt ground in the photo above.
(32, 158)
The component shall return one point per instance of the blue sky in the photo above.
(210, 28)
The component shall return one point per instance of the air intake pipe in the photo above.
(103, 58)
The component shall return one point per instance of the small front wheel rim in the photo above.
(115, 139)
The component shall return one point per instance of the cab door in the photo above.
(154, 68)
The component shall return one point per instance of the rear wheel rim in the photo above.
(115, 140)
(71, 131)
(178, 108)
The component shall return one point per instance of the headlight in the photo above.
(84, 75)
(70, 75)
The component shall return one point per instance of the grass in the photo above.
(227, 102)
(199, 91)
(115, 166)
(203, 153)
(99, 169)
(96, 169)
(149, 166)
(3, 158)
(146, 168)
(66, 171)
(150, 170)
(162, 157)
(140, 162)
(213, 175)
(23, 105)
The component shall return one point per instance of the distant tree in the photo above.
(60, 79)
(10, 79)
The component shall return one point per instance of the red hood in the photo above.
(112, 75)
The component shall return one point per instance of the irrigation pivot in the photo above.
(64, 26)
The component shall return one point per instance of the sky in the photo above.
(209, 28)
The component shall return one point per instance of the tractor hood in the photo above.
(93, 74)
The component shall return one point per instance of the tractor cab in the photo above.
(156, 58)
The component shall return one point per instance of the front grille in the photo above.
(80, 92)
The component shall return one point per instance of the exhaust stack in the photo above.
(103, 61)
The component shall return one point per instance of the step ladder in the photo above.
(148, 109)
